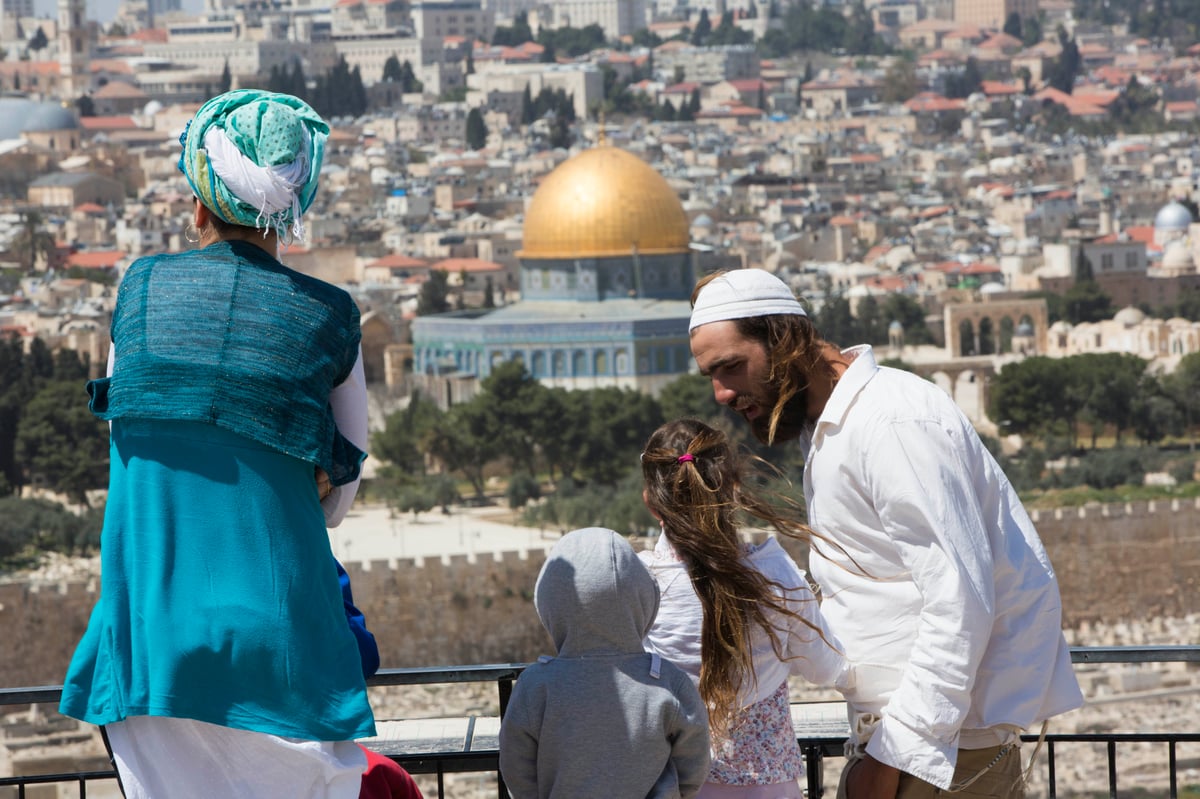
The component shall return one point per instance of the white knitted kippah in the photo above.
(741, 293)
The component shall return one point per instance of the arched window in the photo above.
(600, 363)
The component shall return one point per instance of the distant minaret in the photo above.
(73, 48)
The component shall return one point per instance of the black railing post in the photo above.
(505, 687)
(1050, 767)
(1112, 770)
(1171, 764)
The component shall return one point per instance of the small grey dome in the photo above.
(1025, 329)
(1129, 316)
(19, 114)
(1173, 216)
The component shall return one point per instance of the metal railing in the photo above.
(814, 749)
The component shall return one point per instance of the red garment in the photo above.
(385, 779)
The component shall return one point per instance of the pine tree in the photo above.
(477, 131)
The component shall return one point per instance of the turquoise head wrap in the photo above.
(253, 157)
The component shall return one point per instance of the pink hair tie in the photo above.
(685, 457)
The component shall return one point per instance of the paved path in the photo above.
(371, 532)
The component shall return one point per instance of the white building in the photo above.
(616, 17)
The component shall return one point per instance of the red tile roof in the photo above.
(96, 259)
(467, 265)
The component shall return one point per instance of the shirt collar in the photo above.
(860, 371)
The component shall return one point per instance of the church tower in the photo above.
(73, 49)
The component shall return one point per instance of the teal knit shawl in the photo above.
(229, 336)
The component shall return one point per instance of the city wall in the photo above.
(1121, 562)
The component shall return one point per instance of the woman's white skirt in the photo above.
(160, 757)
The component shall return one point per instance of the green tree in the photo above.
(1033, 396)
(527, 110)
(340, 91)
(516, 34)
(1155, 415)
(1012, 25)
(727, 33)
(1032, 32)
(908, 312)
(1109, 383)
(38, 41)
(965, 81)
(618, 423)
(32, 243)
(703, 29)
(1086, 302)
(872, 326)
(477, 132)
(836, 322)
(412, 498)
(573, 42)
(522, 487)
(400, 442)
(489, 293)
(859, 37)
(1182, 387)
(434, 295)
(226, 81)
(391, 69)
(464, 440)
(562, 444)
(644, 37)
(900, 82)
(515, 400)
(34, 525)
(1067, 66)
(63, 446)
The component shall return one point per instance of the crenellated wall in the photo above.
(1122, 562)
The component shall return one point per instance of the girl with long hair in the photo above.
(740, 619)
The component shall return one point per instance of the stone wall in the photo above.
(1122, 562)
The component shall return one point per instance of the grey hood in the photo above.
(594, 596)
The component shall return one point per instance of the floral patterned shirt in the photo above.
(761, 748)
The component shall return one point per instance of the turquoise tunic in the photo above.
(219, 595)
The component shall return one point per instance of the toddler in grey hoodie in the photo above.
(604, 718)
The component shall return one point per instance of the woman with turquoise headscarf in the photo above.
(218, 659)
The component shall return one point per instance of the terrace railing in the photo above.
(473, 749)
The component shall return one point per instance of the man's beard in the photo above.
(792, 422)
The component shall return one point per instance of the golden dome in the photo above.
(604, 202)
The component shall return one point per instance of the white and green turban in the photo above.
(252, 157)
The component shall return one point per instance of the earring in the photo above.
(191, 233)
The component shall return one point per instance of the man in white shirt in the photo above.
(932, 574)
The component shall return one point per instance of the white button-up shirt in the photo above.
(934, 579)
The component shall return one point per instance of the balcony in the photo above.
(1136, 762)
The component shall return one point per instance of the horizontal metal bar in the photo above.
(39, 695)
(1135, 654)
(495, 672)
(44, 779)
(447, 674)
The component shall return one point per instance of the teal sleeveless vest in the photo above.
(229, 336)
